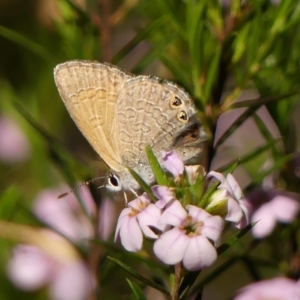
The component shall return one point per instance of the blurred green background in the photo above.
(239, 60)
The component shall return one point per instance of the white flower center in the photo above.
(139, 207)
(191, 226)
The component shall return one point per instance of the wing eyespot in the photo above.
(175, 102)
(182, 116)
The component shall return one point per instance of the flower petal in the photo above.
(245, 209)
(149, 217)
(30, 268)
(277, 288)
(107, 218)
(63, 214)
(171, 246)
(131, 235)
(14, 145)
(197, 213)
(164, 195)
(236, 190)
(199, 254)
(193, 172)
(174, 214)
(213, 228)
(122, 218)
(217, 175)
(72, 282)
(229, 183)
(284, 208)
(212, 225)
(266, 222)
(173, 163)
(235, 213)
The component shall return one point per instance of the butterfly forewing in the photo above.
(89, 91)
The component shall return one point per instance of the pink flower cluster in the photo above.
(181, 234)
(65, 274)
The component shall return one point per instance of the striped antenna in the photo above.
(87, 183)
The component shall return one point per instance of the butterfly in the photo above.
(120, 114)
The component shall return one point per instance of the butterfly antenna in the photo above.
(87, 183)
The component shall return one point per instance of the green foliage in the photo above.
(158, 171)
(144, 186)
(138, 276)
(217, 52)
(137, 292)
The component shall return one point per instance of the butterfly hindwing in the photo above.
(150, 112)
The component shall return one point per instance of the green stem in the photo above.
(177, 280)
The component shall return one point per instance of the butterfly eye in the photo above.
(176, 102)
(113, 180)
(182, 116)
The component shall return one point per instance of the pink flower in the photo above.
(72, 282)
(193, 238)
(14, 146)
(193, 172)
(135, 220)
(30, 268)
(66, 215)
(62, 270)
(66, 276)
(229, 189)
(268, 207)
(173, 163)
(277, 288)
(164, 195)
(107, 218)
